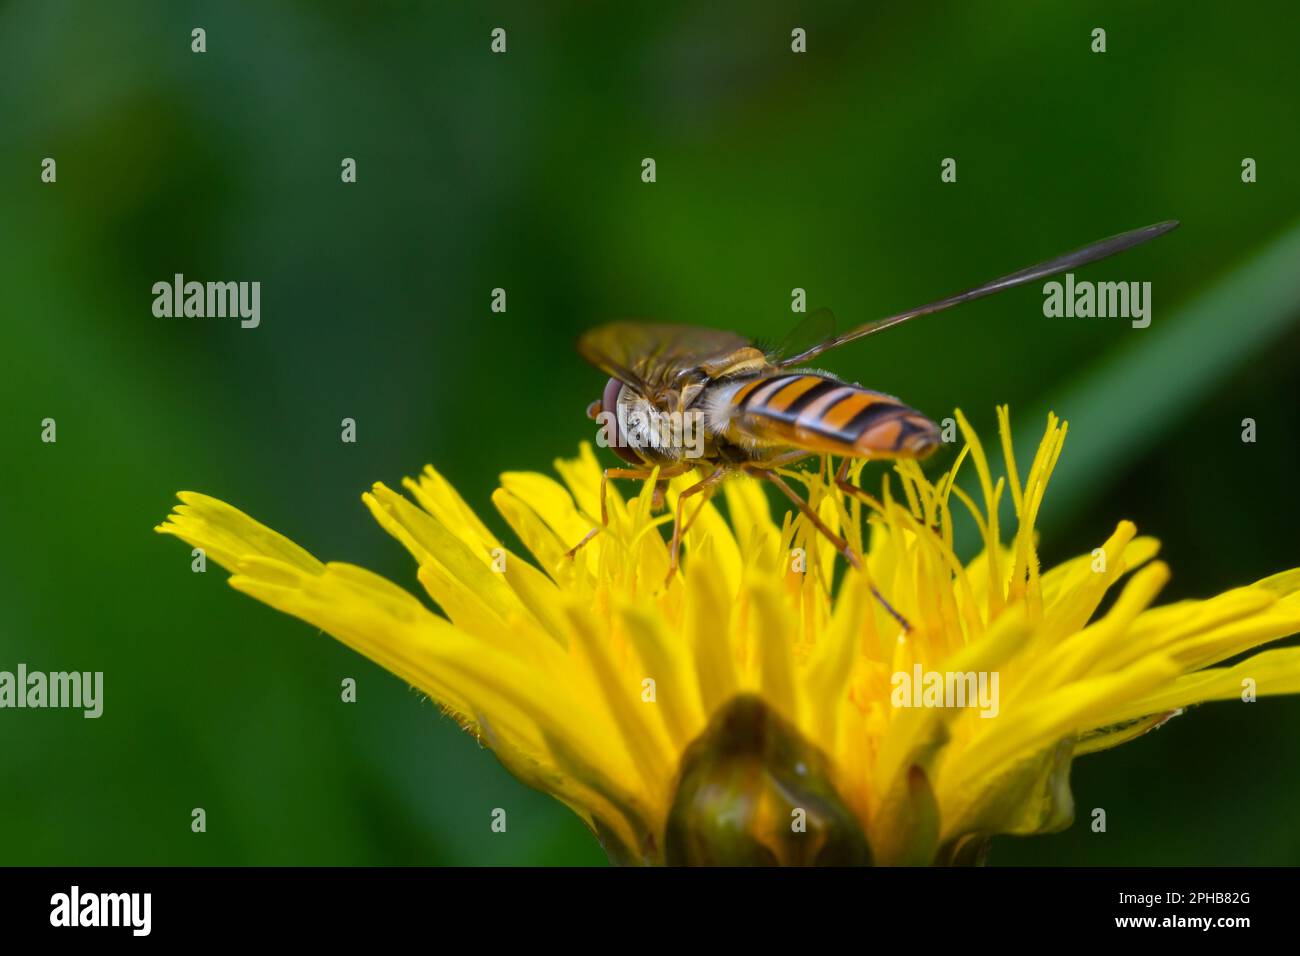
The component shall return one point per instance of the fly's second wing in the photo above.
(817, 412)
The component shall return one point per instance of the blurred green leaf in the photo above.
(1123, 405)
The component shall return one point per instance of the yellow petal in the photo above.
(227, 535)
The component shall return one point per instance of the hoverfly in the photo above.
(761, 410)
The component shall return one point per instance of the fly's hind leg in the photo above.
(605, 476)
(849, 488)
(840, 544)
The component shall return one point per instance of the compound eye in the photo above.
(609, 398)
(609, 404)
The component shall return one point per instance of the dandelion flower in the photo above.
(755, 708)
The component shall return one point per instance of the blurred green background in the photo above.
(522, 171)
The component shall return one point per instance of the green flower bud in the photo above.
(752, 792)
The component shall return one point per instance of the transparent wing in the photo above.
(649, 355)
(1063, 263)
(813, 329)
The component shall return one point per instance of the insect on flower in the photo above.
(775, 693)
(759, 411)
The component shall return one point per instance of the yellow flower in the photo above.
(752, 710)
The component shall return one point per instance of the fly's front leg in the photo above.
(660, 495)
(605, 476)
(840, 544)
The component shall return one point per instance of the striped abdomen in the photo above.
(814, 411)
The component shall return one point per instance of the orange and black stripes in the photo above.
(822, 414)
(782, 396)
